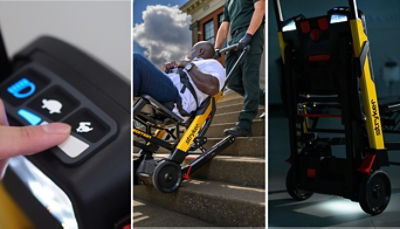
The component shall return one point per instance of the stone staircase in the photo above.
(228, 191)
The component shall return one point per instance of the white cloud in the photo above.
(164, 33)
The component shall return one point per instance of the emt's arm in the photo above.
(206, 83)
(222, 35)
(256, 19)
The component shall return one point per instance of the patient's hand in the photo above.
(170, 65)
(183, 63)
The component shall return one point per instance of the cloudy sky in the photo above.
(160, 30)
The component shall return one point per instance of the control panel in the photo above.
(35, 96)
(48, 81)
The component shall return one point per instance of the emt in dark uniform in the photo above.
(245, 21)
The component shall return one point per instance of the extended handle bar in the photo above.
(237, 63)
(234, 47)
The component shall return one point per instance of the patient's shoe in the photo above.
(238, 132)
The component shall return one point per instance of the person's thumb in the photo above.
(31, 139)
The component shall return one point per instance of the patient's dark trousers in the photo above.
(245, 80)
(149, 80)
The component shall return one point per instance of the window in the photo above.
(209, 31)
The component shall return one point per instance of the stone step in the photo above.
(217, 130)
(216, 203)
(243, 146)
(230, 108)
(229, 94)
(230, 101)
(150, 215)
(244, 171)
(229, 117)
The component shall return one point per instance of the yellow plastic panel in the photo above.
(368, 91)
(195, 127)
(282, 45)
(11, 216)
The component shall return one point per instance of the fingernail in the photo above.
(57, 128)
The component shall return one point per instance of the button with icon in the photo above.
(84, 127)
(54, 103)
(86, 124)
(24, 86)
(29, 116)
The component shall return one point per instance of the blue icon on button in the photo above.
(30, 117)
(22, 88)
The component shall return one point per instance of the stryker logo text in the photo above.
(191, 136)
(375, 116)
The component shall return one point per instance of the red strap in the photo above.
(314, 35)
(367, 163)
(128, 226)
(305, 26)
(323, 23)
(312, 173)
(186, 176)
(319, 58)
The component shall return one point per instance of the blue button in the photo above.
(30, 117)
(22, 88)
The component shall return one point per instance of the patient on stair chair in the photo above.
(184, 85)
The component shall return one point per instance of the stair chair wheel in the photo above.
(167, 176)
(375, 191)
(292, 187)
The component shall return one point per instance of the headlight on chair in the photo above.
(290, 26)
(45, 191)
(337, 18)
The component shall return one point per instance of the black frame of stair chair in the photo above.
(158, 126)
(332, 71)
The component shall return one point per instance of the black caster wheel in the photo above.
(292, 187)
(167, 176)
(375, 191)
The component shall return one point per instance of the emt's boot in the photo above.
(238, 132)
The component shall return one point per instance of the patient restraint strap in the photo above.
(186, 84)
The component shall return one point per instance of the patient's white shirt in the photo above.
(208, 66)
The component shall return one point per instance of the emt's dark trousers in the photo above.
(245, 80)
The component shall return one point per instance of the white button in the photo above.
(52, 105)
(73, 147)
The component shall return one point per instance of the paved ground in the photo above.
(319, 210)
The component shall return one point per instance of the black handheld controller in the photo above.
(52, 81)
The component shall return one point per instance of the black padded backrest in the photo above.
(319, 53)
